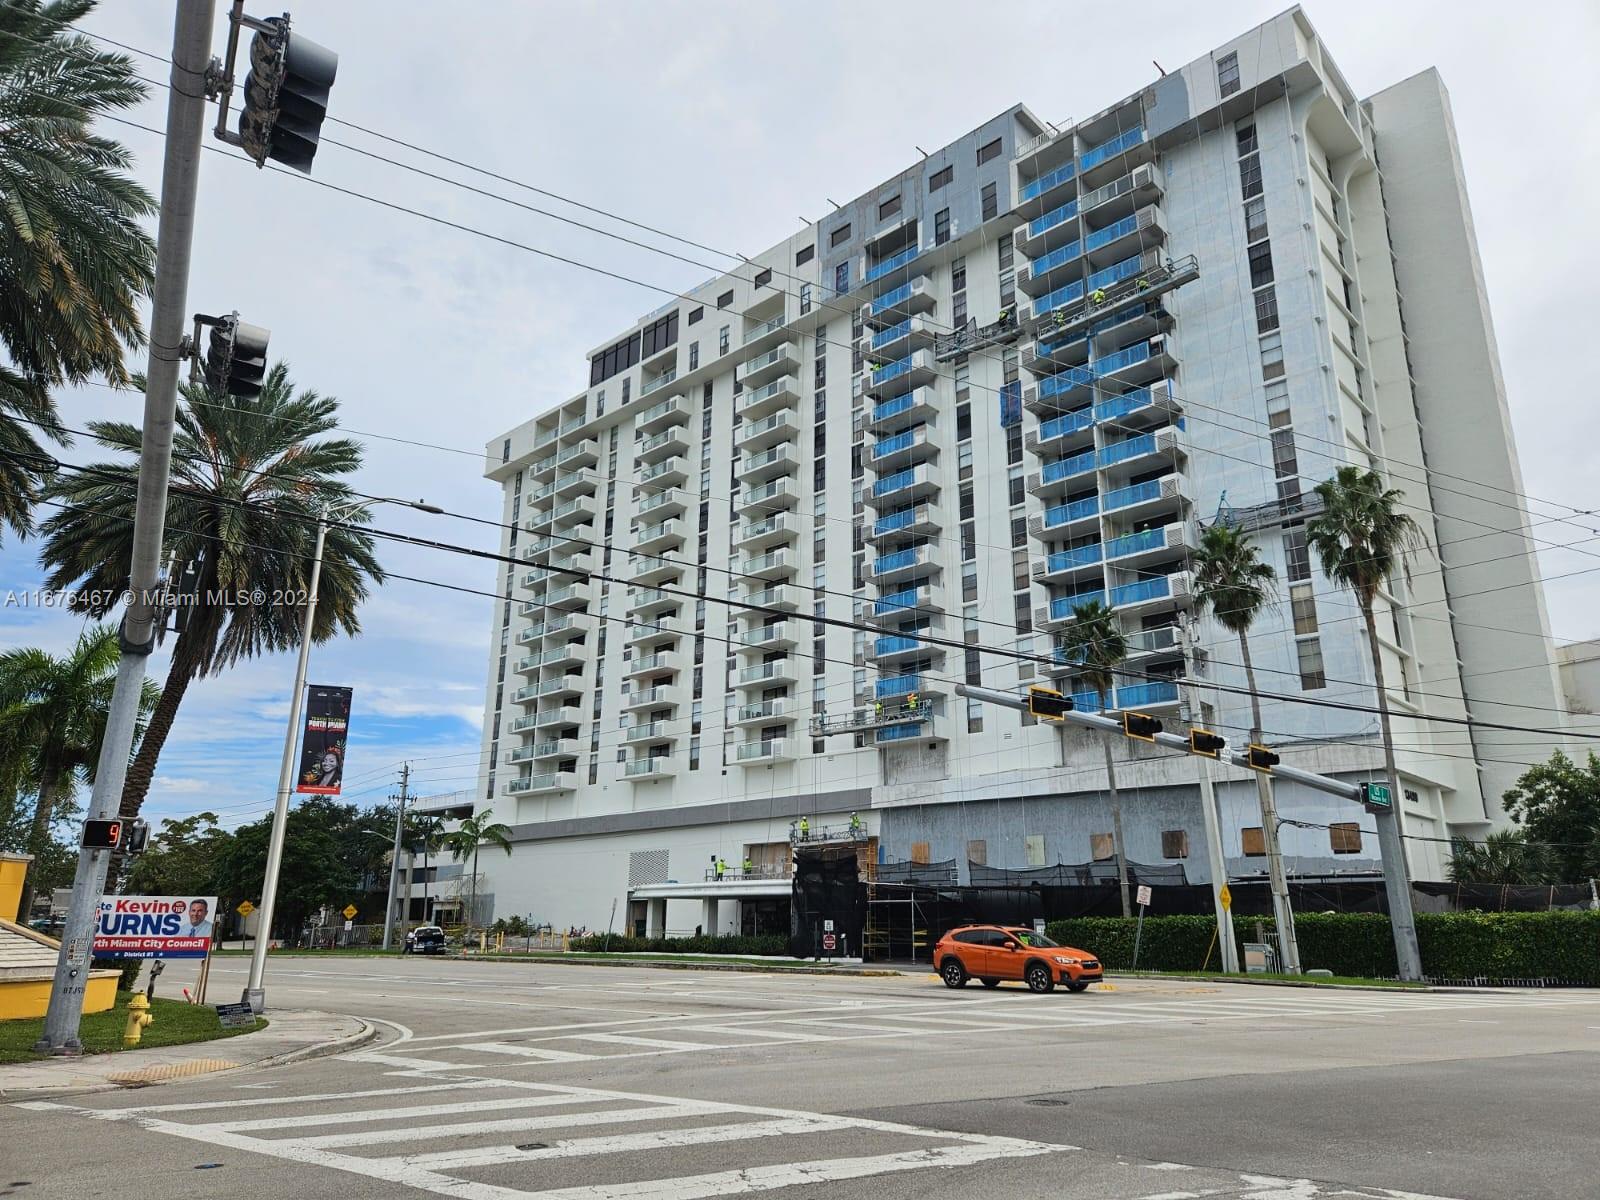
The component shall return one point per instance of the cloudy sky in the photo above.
(725, 123)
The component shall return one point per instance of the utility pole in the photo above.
(1282, 907)
(394, 862)
(1213, 822)
(180, 177)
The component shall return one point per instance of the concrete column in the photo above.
(655, 922)
(710, 921)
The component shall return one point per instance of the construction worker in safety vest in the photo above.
(1060, 316)
(1001, 319)
(721, 867)
(1143, 283)
(805, 829)
(1098, 296)
(855, 823)
(749, 867)
(911, 702)
(877, 708)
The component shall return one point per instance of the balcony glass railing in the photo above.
(893, 408)
(766, 562)
(1047, 181)
(892, 334)
(905, 732)
(1060, 514)
(893, 483)
(895, 520)
(897, 685)
(755, 712)
(1056, 258)
(1110, 147)
(660, 381)
(890, 264)
(778, 489)
(1137, 494)
(764, 672)
(1145, 589)
(893, 445)
(1069, 380)
(1141, 695)
(769, 359)
(1122, 358)
(1078, 556)
(1110, 233)
(890, 300)
(659, 439)
(657, 764)
(1120, 406)
(1073, 422)
(1128, 448)
(897, 561)
(766, 327)
(1051, 219)
(768, 458)
(1061, 607)
(766, 425)
(896, 644)
(894, 370)
(1051, 301)
(756, 395)
(1135, 543)
(1066, 468)
(1115, 272)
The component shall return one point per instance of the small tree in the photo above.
(1095, 645)
(465, 840)
(1505, 856)
(1557, 803)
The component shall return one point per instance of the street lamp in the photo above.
(255, 994)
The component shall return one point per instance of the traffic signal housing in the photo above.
(1206, 744)
(285, 96)
(136, 837)
(1259, 758)
(236, 360)
(1049, 704)
(1137, 725)
(101, 834)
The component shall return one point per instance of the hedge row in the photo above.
(1554, 946)
(722, 943)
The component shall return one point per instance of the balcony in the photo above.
(655, 568)
(669, 443)
(659, 633)
(1066, 566)
(1058, 520)
(928, 729)
(907, 409)
(903, 564)
(775, 564)
(1110, 150)
(577, 511)
(1142, 452)
(1159, 592)
(1144, 499)
(585, 453)
(767, 712)
(553, 748)
(561, 685)
(667, 473)
(771, 674)
(891, 307)
(523, 724)
(661, 505)
(761, 336)
(769, 398)
(783, 597)
(769, 431)
(1146, 642)
(768, 750)
(650, 732)
(1139, 696)
(1046, 185)
(566, 625)
(1063, 475)
(889, 265)
(569, 655)
(672, 411)
(903, 449)
(1060, 610)
(650, 603)
(572, 595)
(641, 769)
(782, 635)
(1130, 235)
(559, 553)
(903, 487)
(664, 535)
(1132, 548)
(912, 521)
(655, 384)
(669, 696)
(904, 604)
(774, 530)
(902, 688)
(1058, 433)
(901, 338)
(903, 375)
(782, 359)
(770, 497)
(766, 464)
(654, 664)
(1061, 393)
(1061, 297)
(557, 718)
(537, 785)
(897, 647)
(1047, 231)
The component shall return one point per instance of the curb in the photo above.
(350, 1041)
(685, 965)
(1284, 983)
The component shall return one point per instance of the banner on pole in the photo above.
(154, 926)
(322, 747)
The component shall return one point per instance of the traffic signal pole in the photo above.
(180, 176)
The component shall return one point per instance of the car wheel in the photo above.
(990, 983)
(953, 973)
(1078, 987)
(1039, 980)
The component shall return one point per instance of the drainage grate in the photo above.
(1049, 1101)
(534, 1146)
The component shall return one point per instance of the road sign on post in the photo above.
(1144, 895)
(1226, 896)
(245, 908)
(349, 912)
(1138, 931)
(1377, 797)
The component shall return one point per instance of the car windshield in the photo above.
(1029, 938)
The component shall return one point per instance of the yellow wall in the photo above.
(30, 997)
(13, 868)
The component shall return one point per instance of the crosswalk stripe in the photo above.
(609, 1116)
(515, 1051)
(623, 1039)
(358, 1116)
(260, 1101)
(776, 1035)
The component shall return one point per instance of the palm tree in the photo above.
(52, 719)
(1361, 536)
(465, 840)
(1502, 857)
(248, 480)
(1095, 644)
(424, 832)
(73, 254)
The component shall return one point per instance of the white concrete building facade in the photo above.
(790, 512)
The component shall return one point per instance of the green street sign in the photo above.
(1377, 795)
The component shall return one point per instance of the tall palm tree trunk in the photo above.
(43, 811)
(1390, 770)
(473, 916)
(1282, 909)
(1116, 822)
(136, 786)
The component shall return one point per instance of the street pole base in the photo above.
(256, 998)
(68, 1049)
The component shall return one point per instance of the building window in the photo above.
(1254, 842)
(1260, 264)
(988, 152)
(614, 360)
(839, 236)
(1228, 74)
(505, 452)
(804, 255)
(1250, 176)
(991, 201)
(1266, 309)
(841, 278)
(805, 298)
(1271, 356)
(696, 315)
(1310, 654)
(763, 277)
(1102, 847)
(1255, 220)
(1175, 843)
(941, 177)
(694, 355)
(1344, 837)
(889, 208)
(941, 227)
(722, 340)
(1246, 137)
(1297, 562)
(725, 299)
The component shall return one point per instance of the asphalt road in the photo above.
(501, 1081)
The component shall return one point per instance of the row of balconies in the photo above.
(1134, 501)
(1059, 476)
(1132, 597)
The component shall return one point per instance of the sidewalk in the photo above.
(289, 1037)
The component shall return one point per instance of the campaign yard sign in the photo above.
(154, 926)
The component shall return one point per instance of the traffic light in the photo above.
(1261, 759)
(1137, 725)
(1049, 704)
(138, 837)
(236, 361)
(102, 834)
(1206, 743)
(285, 96)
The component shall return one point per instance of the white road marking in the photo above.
(258, 1101)
(623, 1039)
(430, 1111)
(538, 1052)
(608, 1116)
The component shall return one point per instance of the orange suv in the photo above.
(992, 954)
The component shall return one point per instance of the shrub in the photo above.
(722, 943)
(128, 966)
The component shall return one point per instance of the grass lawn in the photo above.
(176, 1024)
(1261, 976)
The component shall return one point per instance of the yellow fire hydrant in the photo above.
(138, 1017)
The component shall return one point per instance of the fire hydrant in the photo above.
(138, 1017)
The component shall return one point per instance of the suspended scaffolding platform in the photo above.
(1145, 285)
(972, 337)
(863, 720)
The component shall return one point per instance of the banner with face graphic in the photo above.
(322, 746)
(154, 926)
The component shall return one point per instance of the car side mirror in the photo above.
(1010, 945)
